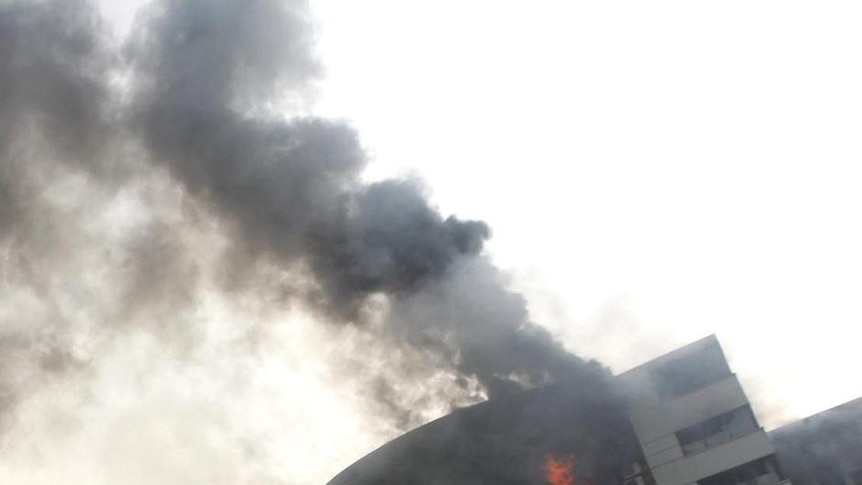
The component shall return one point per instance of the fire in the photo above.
(560, 472)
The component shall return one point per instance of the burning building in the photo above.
(548, 435)
(281, 207)
(682, 418)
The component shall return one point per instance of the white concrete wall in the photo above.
(690, 469)
(654, 418)
(656, 421)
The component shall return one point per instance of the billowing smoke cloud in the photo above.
(294, 189)
(291, 187)
(487, 330)
(179, 122)
(45, 82)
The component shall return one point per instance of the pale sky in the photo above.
(653, 173)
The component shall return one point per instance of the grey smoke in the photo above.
(292, 187)
(487, 331)
(287, 190)
(46, 57)
(51, 63)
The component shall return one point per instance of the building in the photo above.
(508, 441)
(824, 449)
(680, 419)
(694, 422)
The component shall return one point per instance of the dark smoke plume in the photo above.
(287, 190)
(292, 187)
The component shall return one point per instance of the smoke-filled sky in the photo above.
(653, 173)
(247, 242)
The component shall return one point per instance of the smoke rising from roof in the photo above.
(123, 205)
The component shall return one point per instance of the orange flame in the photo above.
(559, 472)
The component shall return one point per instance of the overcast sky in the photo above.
(652, 173)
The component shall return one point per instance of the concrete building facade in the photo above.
(694, 422)
(686, 421)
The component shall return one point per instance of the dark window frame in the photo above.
(747, 473)
(717, 430)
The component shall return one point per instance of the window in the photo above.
(758, 472)
(717, 430)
